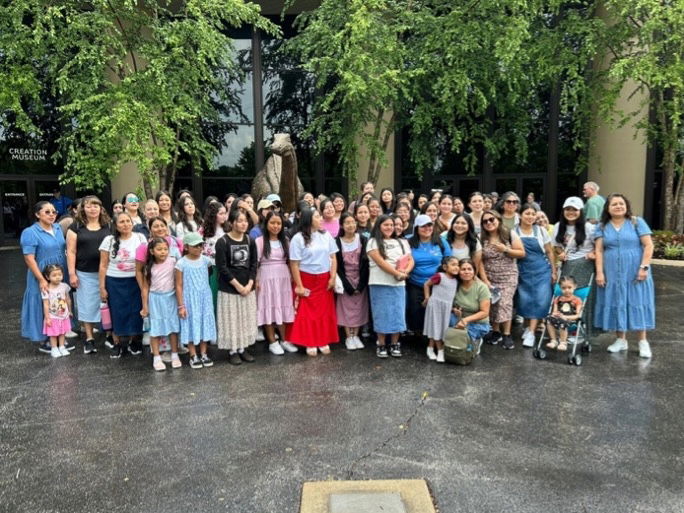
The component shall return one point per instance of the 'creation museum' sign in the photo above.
(28, 154)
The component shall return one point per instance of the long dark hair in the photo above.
(115, 232)
(282, 236)
(150, 257)
(209, 223)
(503, 232)
(470, 236)
(387, 209)
(182, 216)
(306, 225)
(157, 196)
(580, 231)
(605, 215)
(141, 214)
(377, 234)
(343, 218)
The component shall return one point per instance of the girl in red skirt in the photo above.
(313, 266)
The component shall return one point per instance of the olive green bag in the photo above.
(458, 347)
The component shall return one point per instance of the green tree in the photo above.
(151, 82)
(645, 47)
(461, 76)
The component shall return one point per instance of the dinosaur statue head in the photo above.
(282, 144)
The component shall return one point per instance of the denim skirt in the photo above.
(388, 306)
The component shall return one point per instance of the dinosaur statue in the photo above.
(279, 174)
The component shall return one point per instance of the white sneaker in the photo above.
(95, 331)
(260, 335)
(440, 356)
(644, 349)
(620, 344)
(63, 351)
(158, 365)
(55, 352)
(431, 353)
(275, 348)
(71, 334)
(528, 340)
(526, 333)
(350, 343)
(357, 343)
(289, 347)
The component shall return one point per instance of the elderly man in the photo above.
(594, 205)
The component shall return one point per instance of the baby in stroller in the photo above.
(567, 309)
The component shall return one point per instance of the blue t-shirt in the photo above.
(428, 257)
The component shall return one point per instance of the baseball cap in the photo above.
(273, 198)
(264, 203)
(574, 202)
(422, 220)
(192, 239)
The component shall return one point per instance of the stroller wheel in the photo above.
(535, 353)
(575, 360)
(586, 348)
(541, 354)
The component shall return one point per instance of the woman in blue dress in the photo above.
(625, 298)
(42, 244)
(536, 273)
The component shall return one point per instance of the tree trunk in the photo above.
(147, 186)
(373, 156)
(389, 130)
(679, 204)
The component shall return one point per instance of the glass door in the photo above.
(14, 203)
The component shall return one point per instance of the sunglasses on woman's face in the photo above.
(132, 199)
(489, 220)
(512, 201)
(50, 212)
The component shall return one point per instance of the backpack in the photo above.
(458, 347)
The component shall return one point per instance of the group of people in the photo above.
(185, 276)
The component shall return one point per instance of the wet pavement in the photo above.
(509, 433)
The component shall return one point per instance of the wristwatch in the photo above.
(644, 267)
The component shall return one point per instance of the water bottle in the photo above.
(146, 324)
(106, 317)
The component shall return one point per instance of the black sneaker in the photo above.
(206, 361)
(381, 351)
(135, 347)
(70, 346)
(89, 346)
(109, 342)
(118, 351)
(246, 357)
(395, 350)
(45, 347)
(195, 362)
(493, 338)
(508, 342)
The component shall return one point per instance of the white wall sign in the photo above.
(28, 154)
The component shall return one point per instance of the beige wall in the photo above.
(618, 159)
(128, 180)
(386, 177)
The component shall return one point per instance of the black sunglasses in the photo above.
(489, 220)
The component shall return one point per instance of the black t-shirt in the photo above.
(88, 247)
(235, 259)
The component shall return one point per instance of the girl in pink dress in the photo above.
(275, 305)
(352, 269)
(56, 309)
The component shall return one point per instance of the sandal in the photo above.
(563, 346)
(311, 351)
(324, 349)
(553, 344)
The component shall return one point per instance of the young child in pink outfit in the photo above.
(56, 309)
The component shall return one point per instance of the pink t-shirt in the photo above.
(332, 227)
(163, 276)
